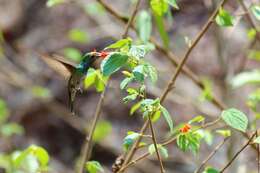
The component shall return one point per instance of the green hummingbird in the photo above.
(77, 71)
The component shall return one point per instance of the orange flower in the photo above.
(185, 128)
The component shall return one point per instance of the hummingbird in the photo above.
(77, 71)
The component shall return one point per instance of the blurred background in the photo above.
(33, 96)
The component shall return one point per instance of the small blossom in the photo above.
(185, 128)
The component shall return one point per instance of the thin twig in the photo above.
(130, 21)
(204, 162)
(194, 43)
(237, 154)
(88, 141)
(155, 144)
(169, 54)
(249, 18)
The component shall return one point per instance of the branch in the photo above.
(235, 156)
(249, 18)
(204, 162)
(167, 142)
(186, 56)
(130, 21)
(155, 144)
(89, 138)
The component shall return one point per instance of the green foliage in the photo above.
(173, 3)
(197, 119)
(51, 3)
(162, 31)
(4, 112)
(257, 140)
(163, 151)
(167, 117)
(254, 99)
(78, 36)
(189, 141)
(206, 135)
(94, 167)
(250, 77)
(94, 8)
(224, 133)
(207, 90)
(224, 18)
(73, 54)
(34, 159)
(103, 129)
(41, 92)
(121, 44)
(235, 118)
(159, 7)
(113, 63)
(210, 170)
(150, 107)
(130, 139)
(10, 129)
(256, 11)
(251, 33)
(96, 79)
(254, 54)
(144, 25)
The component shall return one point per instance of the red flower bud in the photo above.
(185, 128)
(104, 54)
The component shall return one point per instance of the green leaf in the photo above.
(103, 129)
(144, 25)
(162, 31)
(51, 3)
(256, 11)
(90, 78)
(134, 108)
(167, 117)
(182, 142)
(78, 35)
(10, 129)
(41, 92)
(224, 18)
(225, 133)
(73, 53)
(125, 82)
(210, 170)
(257, 140)
(139, 73)
(163, 151)
(250, 77)
(156, 116)
(40, 153)
(94, 167)
(254, 54)
(4, 112)
(251, 33)
(130, 139)
(173, 3)
(120, 44)
(207, 93)
(159, 7)
(94, 8)
(152, 72)
(235, 119)
(197, 119)
(113, 63)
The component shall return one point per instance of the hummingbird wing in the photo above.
(59, 63)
